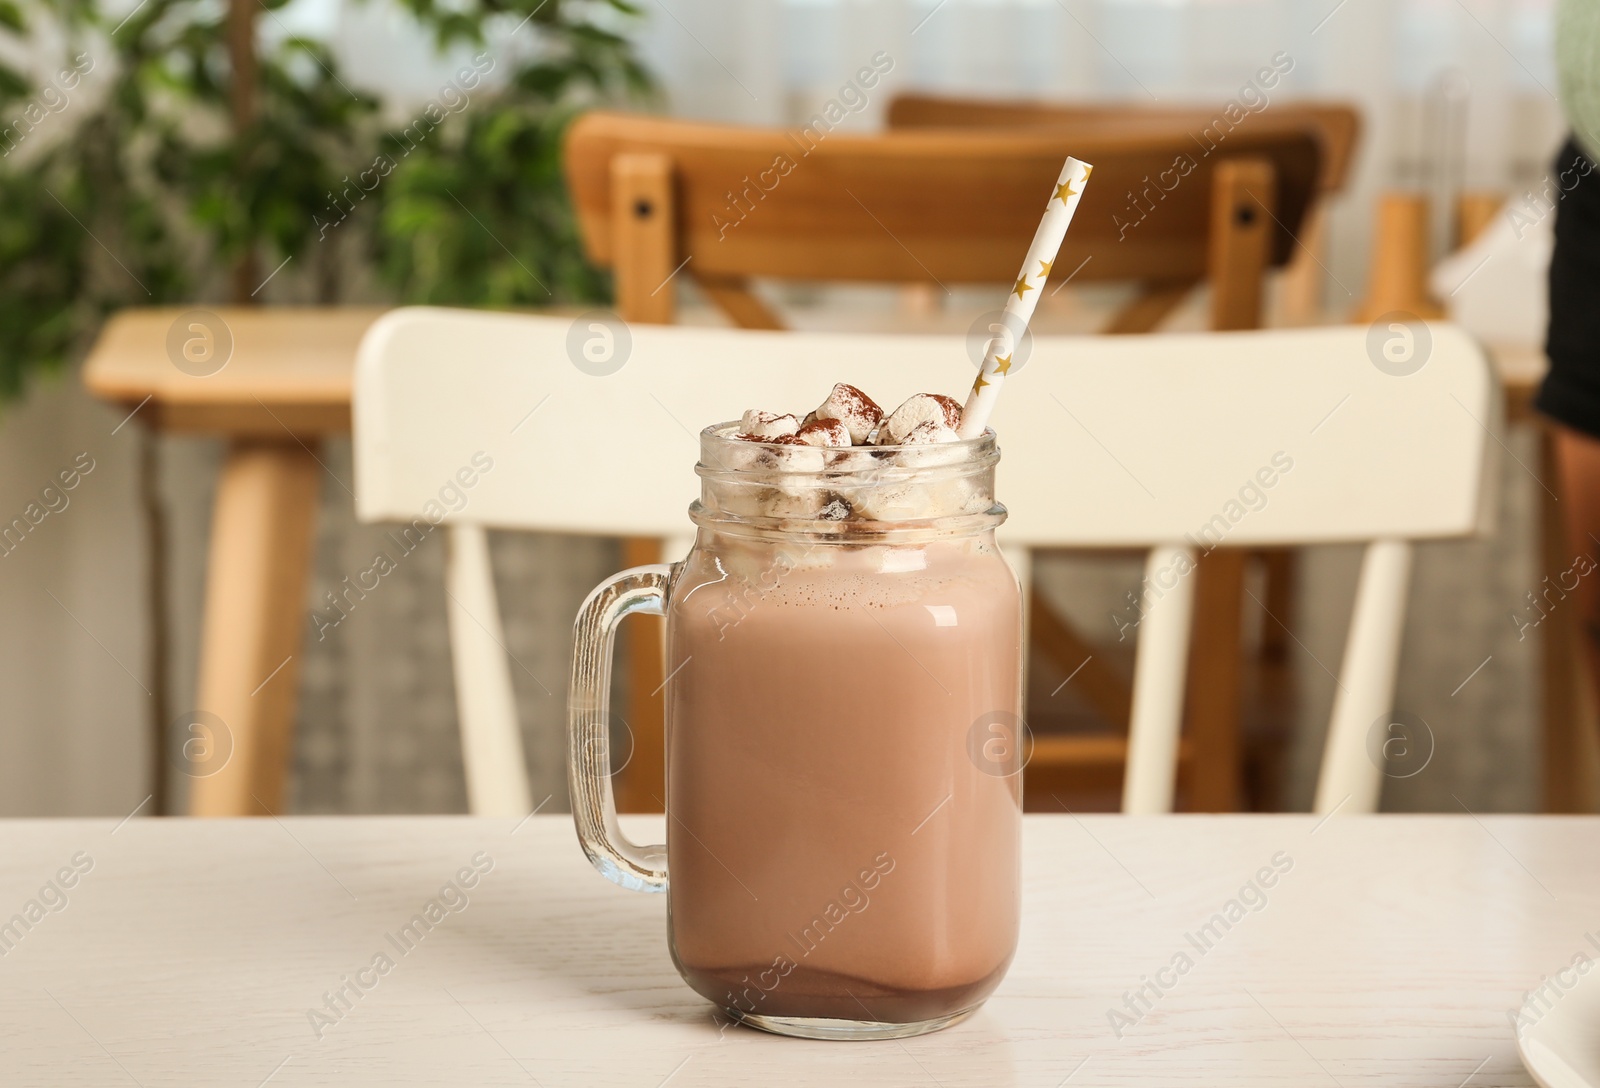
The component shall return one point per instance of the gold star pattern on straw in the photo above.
(1068, 188)
(1087, 170)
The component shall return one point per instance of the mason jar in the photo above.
(843, 736)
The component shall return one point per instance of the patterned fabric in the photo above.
(1578, 68)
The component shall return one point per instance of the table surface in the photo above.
(192, 952)
(294, 363)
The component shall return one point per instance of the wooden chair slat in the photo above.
(943, 207)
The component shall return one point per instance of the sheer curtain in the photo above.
(1454, 93)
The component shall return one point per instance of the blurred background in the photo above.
(137, 170)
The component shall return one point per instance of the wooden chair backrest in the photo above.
(1336, 125)
(655, 195)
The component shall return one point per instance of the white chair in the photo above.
(1162, 443)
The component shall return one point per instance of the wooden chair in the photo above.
(1301, 301)
(657, 199)
(1404, 459)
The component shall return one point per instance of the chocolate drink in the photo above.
(841, 846)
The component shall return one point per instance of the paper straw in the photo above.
(1024, 296)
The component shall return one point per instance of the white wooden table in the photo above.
(192, 952)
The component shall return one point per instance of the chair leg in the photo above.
(491, 742)
(1216, 663)
(642, 224)
(641, 785)
(1398, 279)
(1158, 682)
(1282, 569)
(1267, 686)
(1366, 679)
(1243, 201)
(1267, 700)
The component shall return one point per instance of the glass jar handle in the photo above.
(594, 808)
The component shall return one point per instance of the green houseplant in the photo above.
(206, 165)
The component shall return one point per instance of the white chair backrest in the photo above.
(1174, 443)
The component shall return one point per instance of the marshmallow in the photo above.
(765, 494)
(798, 455)
(785, 453)
(824, 432)
(906, 501)
(767, 425)
(902, 501)
(746, 455)
(928, 432)
(803, 504)
(854, 408)
(922, 408)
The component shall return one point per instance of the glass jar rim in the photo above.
(739, 478)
